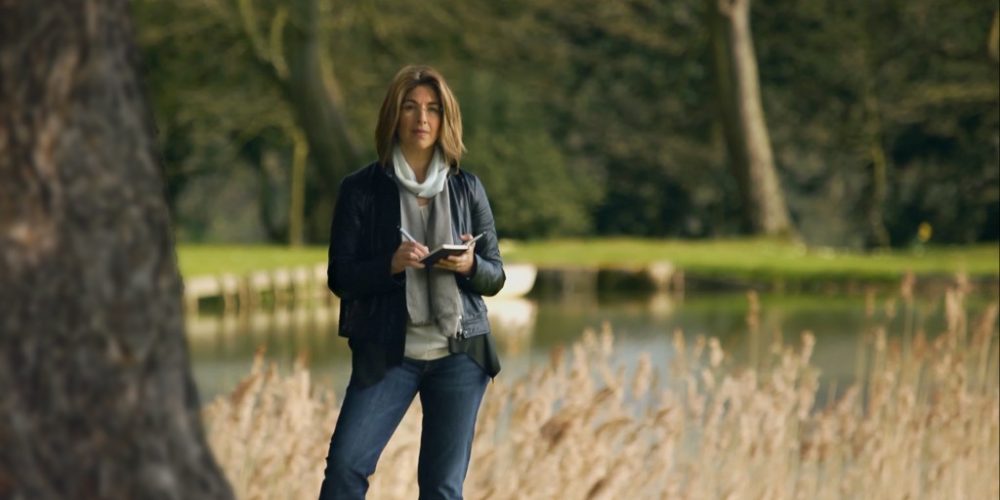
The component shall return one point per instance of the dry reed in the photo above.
(922, 421)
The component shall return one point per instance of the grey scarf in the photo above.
(431, 294)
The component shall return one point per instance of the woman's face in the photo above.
(419, 119)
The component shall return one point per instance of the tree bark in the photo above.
(312, 91)
(292, 56)
(297, 195)
(745, 129)
(876, 234)
(96, 397)
(993, 41)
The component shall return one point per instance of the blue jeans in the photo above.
(450, 389)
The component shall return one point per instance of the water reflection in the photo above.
(513, 322)
(222, 346)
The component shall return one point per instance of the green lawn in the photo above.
(198, 260)
(746, 258)
(761, 258)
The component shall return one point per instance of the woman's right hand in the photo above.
(408, 255)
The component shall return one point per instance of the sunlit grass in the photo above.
(199, 260)
(734, 258)
(760, 257)
(919, 421)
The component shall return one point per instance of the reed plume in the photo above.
(921, 421)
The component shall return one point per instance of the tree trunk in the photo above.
(876, 234)
(297, 195)
(745, 129)
(292, 56)
(993, 41)
(96, 396)
(312, 92)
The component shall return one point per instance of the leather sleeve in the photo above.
(487, 276)
(352, 274)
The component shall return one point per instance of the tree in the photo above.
(878, 113)
(743, 121)
(846, 81)
(294, 58)
(226, 129)
(876, 234)
(96, 397)
(242, 83)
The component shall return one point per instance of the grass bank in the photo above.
(732, 258)
(762, 258)
(200, 260)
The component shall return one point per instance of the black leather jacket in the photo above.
(363, 238)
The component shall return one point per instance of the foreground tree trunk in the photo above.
(96, 398)
(743, 122)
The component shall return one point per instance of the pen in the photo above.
(407, 235)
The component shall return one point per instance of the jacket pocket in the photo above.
(474, 317)
(473, 305)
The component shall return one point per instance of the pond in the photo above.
(222, 347)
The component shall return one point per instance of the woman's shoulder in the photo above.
(469, 184)
(364, 172)
(362, 176)
(467, 177)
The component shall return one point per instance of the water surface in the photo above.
(222, 346)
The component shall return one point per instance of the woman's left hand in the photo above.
(461, 264)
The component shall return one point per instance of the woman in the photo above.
(412, 329)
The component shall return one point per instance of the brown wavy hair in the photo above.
(450, 133)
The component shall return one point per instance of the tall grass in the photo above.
(921, 421)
